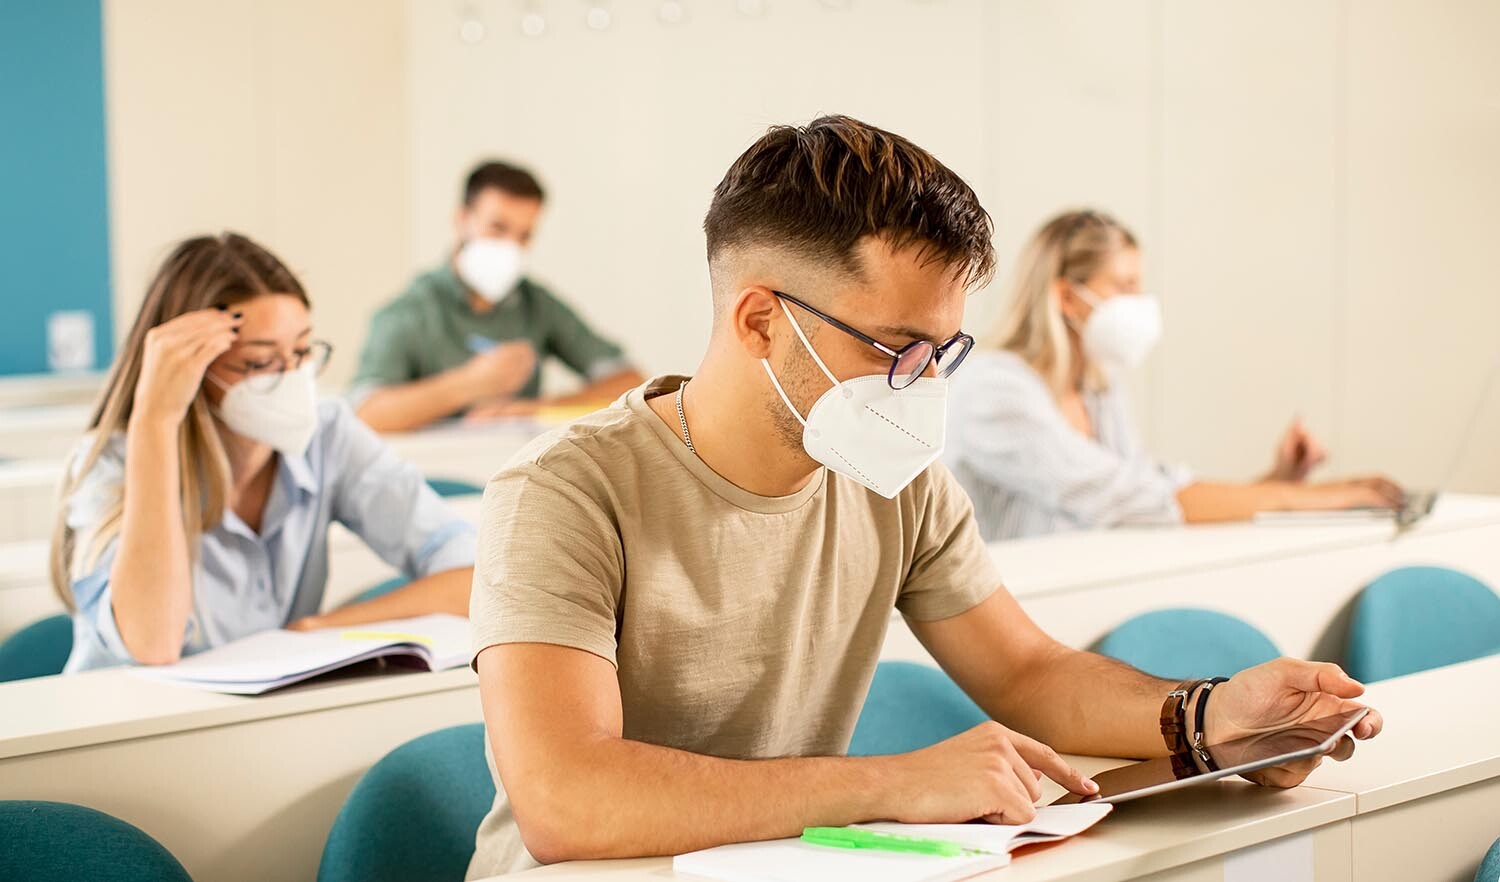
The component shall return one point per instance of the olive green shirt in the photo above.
(431, 327)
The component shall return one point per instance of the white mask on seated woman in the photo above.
(283, 417)
(1119, 333)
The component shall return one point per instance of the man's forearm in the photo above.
(609, 797)
(1085, 703)
(413, 405)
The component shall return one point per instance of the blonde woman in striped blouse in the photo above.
(1039, 434)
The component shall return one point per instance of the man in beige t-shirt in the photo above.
(679, 601)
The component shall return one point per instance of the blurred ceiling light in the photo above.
(671, 12)
(533, 23)
(598, 17)
(471, 27)
(751, 7)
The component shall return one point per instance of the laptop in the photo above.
(1417, 505)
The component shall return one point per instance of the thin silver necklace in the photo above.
(681, 418)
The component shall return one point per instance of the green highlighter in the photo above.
(853, 837)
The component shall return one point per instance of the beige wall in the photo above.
(285, 120)
(1314, 182)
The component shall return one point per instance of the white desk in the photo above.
(42, 431)
(1186, 839)
(238, 788)
(1398, 810)
(1294, 582)
(1428, 789)
(28, 497)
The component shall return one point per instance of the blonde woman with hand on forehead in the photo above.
(1038, 428)
(197, 508)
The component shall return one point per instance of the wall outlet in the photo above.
(70, 340)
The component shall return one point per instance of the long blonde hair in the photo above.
(1071, 246)
(200, 273)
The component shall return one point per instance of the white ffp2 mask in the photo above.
(284, 417)
(1121, 330)
(491, 267)
(865, 430)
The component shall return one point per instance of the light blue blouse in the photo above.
(247, 582)
(1030, 472)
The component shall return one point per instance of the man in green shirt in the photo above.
(467, 337)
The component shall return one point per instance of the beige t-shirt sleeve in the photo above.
(951, 569)
(550, 565)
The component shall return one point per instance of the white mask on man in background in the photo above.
(491, 267)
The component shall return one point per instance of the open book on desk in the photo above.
(272, 659)
(792, 860)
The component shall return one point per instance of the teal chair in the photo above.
(453, 487)
(414, 814)
(38, 650)
(1489, 869)
(1417, 618)
(377, 589)
(909, 707)
(61, 842)
(1176, 644)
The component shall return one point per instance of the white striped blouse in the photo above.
(1030, 472)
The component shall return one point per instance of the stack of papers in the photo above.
(792, 860)
(272, 659)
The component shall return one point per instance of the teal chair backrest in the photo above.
(1176, 644)
(453, 487)
(1489, 868)
(377, 589)
(38, 650)
(414, 814)
(61, 842)
(911, 706)
(1418, 618)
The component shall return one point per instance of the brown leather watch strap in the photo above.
(1174, 723)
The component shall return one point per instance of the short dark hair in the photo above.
(512, 179)
(819, 189)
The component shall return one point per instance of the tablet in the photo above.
(1303, 741)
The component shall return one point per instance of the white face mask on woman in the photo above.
(865, 430)
(491, 267)
(1121, 330)
(283, 417)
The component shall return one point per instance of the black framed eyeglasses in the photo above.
(265, 376)
(910, 361)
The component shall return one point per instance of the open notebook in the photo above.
(271, 659)
(792, 860)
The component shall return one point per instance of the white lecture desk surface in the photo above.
(1442, 732)
(98, 707)
(1136, 839)
(1070, 561)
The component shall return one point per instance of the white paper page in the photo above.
(791, 860)
(1051, 822)
(275, 655)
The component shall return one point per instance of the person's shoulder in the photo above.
(936, 483)
(998, 379)
(606, 445)
(426, 291)
(112, 452)
(998, 367)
